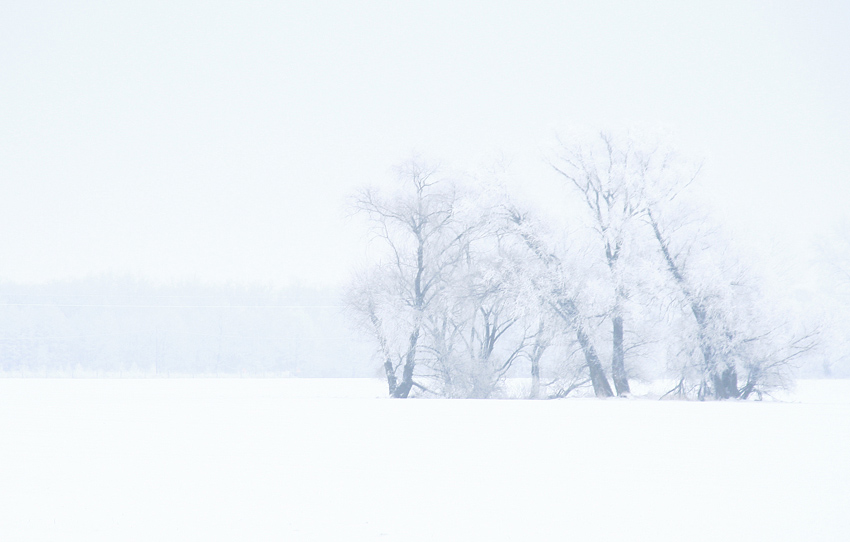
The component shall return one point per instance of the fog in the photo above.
(218, 141)
(238, 236)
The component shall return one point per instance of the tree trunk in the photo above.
(722, 385)
(535, 378)
(403, 389)
(597, 374)
(618, 358)
(392, 384)
(540, 346)
(726, 383)
(566, 309)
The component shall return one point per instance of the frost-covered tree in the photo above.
(422, 239)
(556, 285)
(608, 174)
(718, 376)
(723, 335)
(470, 285)
(445, 304)
(731, 343)
(483, 317)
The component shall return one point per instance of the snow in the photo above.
(326, 459)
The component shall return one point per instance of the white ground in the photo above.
(233, 459)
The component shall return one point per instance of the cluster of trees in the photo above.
(471, 286)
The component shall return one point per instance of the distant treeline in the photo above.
(112, 326)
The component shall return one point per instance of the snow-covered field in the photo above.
(277, 459)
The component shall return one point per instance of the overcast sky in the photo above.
(217, 140)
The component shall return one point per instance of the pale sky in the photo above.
(217, 140)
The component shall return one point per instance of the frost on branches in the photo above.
(470, 286)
